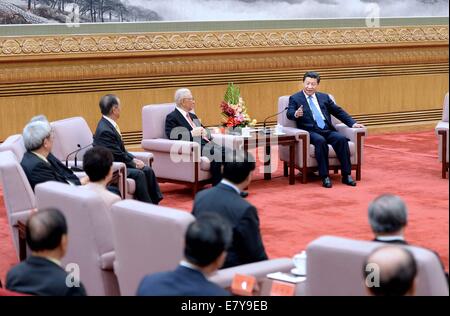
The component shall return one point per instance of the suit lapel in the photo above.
(111, 127)
(182, 120)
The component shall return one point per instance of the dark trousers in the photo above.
(213, 151)
(147, 187)
(320, 139)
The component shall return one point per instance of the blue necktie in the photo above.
(317, 117)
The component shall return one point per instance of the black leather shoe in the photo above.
(244, 194)
(326, 182)
(348, 180)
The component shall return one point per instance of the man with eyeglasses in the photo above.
(38, 162)
(183, 124)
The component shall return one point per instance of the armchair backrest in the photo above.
(282, 118)
(68, 134)
(89, 231)
(147, 239)
(17, 193)
(154, 120)
(445, 109)
(14, 143)
(334, 267)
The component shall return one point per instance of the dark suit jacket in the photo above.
(247, 245)
(175, 119)
(38, 171)
(327, 106)
(39, 276)
(182, 281)
(107, 136)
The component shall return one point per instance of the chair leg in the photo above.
(195, 187)
(336, 170)
(304, 174)
(358, 173)
(444, 169)
(285, 169)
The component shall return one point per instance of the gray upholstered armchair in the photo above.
(74, 132)
(177, 161)
(442, 133)
(90, 233)
(305, 155)
(150, 238)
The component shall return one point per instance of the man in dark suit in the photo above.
(205, 244)
(108, 135)
(312, 110)
(41, 273)
(388, 217)
(38, 162)
(225, 200)
(182, 124)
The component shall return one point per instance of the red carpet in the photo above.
(292, 216)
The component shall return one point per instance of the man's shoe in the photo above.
(244, 194)
(348, 180)
(326, 182)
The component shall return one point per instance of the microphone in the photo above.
(267, 131)
(75, 168)
(79, 148)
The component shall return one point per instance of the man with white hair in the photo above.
(38, 162)
(388, 218)
(183, 124)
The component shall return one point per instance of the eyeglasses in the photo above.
(189, 99)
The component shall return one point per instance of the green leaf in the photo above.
(232, 94)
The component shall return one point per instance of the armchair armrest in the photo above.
(229, 141)
(146, 157)
(170, 146)
(350, 132)
(441, 126)
(260, 269)
(299, 133)
(121, 170)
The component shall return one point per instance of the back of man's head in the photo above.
(387, 214)
(45, 229)
(395, 268)
(206, 239)
(238, 165)
(97, 163)
(107, 102)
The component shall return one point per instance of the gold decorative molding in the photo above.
(219, 69)
(157, 43)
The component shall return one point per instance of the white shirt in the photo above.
(316, 103)
(184, 113)
(112, 122)
(188, 265)
(390, 238)
(40, 156)
(228, 183)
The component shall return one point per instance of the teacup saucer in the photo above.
(297, 272)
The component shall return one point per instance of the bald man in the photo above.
(42, 273)
(390, 271)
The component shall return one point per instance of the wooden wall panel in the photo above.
(389, 71)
